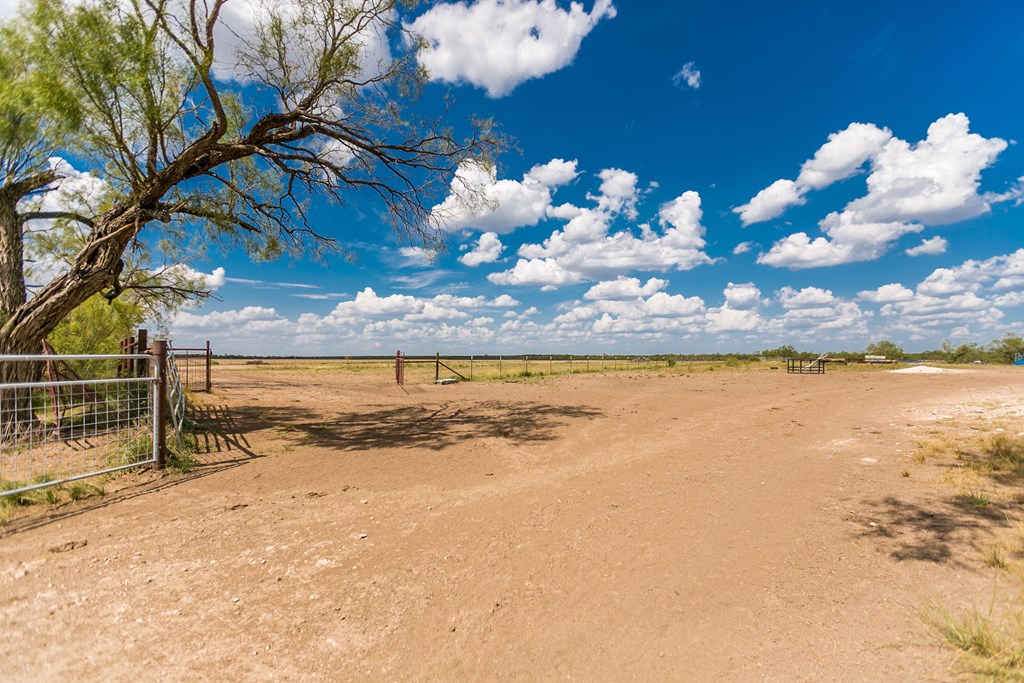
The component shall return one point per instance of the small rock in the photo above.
(362, 536)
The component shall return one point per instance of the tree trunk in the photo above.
(17, 414)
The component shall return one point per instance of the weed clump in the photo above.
(1007, 453)
(988, 647)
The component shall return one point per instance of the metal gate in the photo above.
(65, 427)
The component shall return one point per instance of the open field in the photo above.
(675, 524)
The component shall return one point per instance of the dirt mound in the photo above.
(926, 370)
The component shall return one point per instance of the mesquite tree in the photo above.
(203, 126)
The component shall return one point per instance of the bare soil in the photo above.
(712, 526)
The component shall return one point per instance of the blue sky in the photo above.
(690, 177)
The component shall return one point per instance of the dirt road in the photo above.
(716, 526)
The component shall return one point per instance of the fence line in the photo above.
(525, 365)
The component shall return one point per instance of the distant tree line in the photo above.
(1001, 350)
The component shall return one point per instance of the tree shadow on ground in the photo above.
(936, 532)
(431, 427)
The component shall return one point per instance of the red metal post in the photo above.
(141, 346)
(209, 367)
(437, 367)
(130, 364)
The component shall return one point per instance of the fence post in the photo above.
(130, 365)
(141, 345)
(526, 359)
(160, 404)
(570, 365)
(499, 367)
(209, 368)
(437, 367)
(471, 367)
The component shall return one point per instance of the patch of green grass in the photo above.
(181, 454)
(129, 447)
(979, 499)
(80, 490)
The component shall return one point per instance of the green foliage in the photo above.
(97, 326)
(884, 348)
(79, 490)
(785, 351)
(1006, 348)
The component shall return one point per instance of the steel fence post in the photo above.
(209, 367)
(160, 404)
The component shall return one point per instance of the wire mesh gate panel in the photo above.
(194, 367)
(175, 391)
(59, 430)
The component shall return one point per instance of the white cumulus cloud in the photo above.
(498, 44)
(487, 250)
(932, 182)
(929, 247)
(623, 288)
(479, 200)
(886, 294)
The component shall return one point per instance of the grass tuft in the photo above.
(1007, 452)
(994, 558)
(979, 499)
(181, 454)
(991, 650)
(79, 490)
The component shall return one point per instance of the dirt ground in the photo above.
(712, 526)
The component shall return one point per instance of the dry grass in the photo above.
(988, 466)
(989, 647)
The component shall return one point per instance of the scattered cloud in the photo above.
(966, 300)
(886, 294)
(487, 250)
(807, 297)
(839, 158)
(480, 201)
(264, 284)
(742, 248)
(587, 249)
(932, 182)
(499, 44)
(688, 77)
(929, 247)
(742, 296)
(622, 288)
